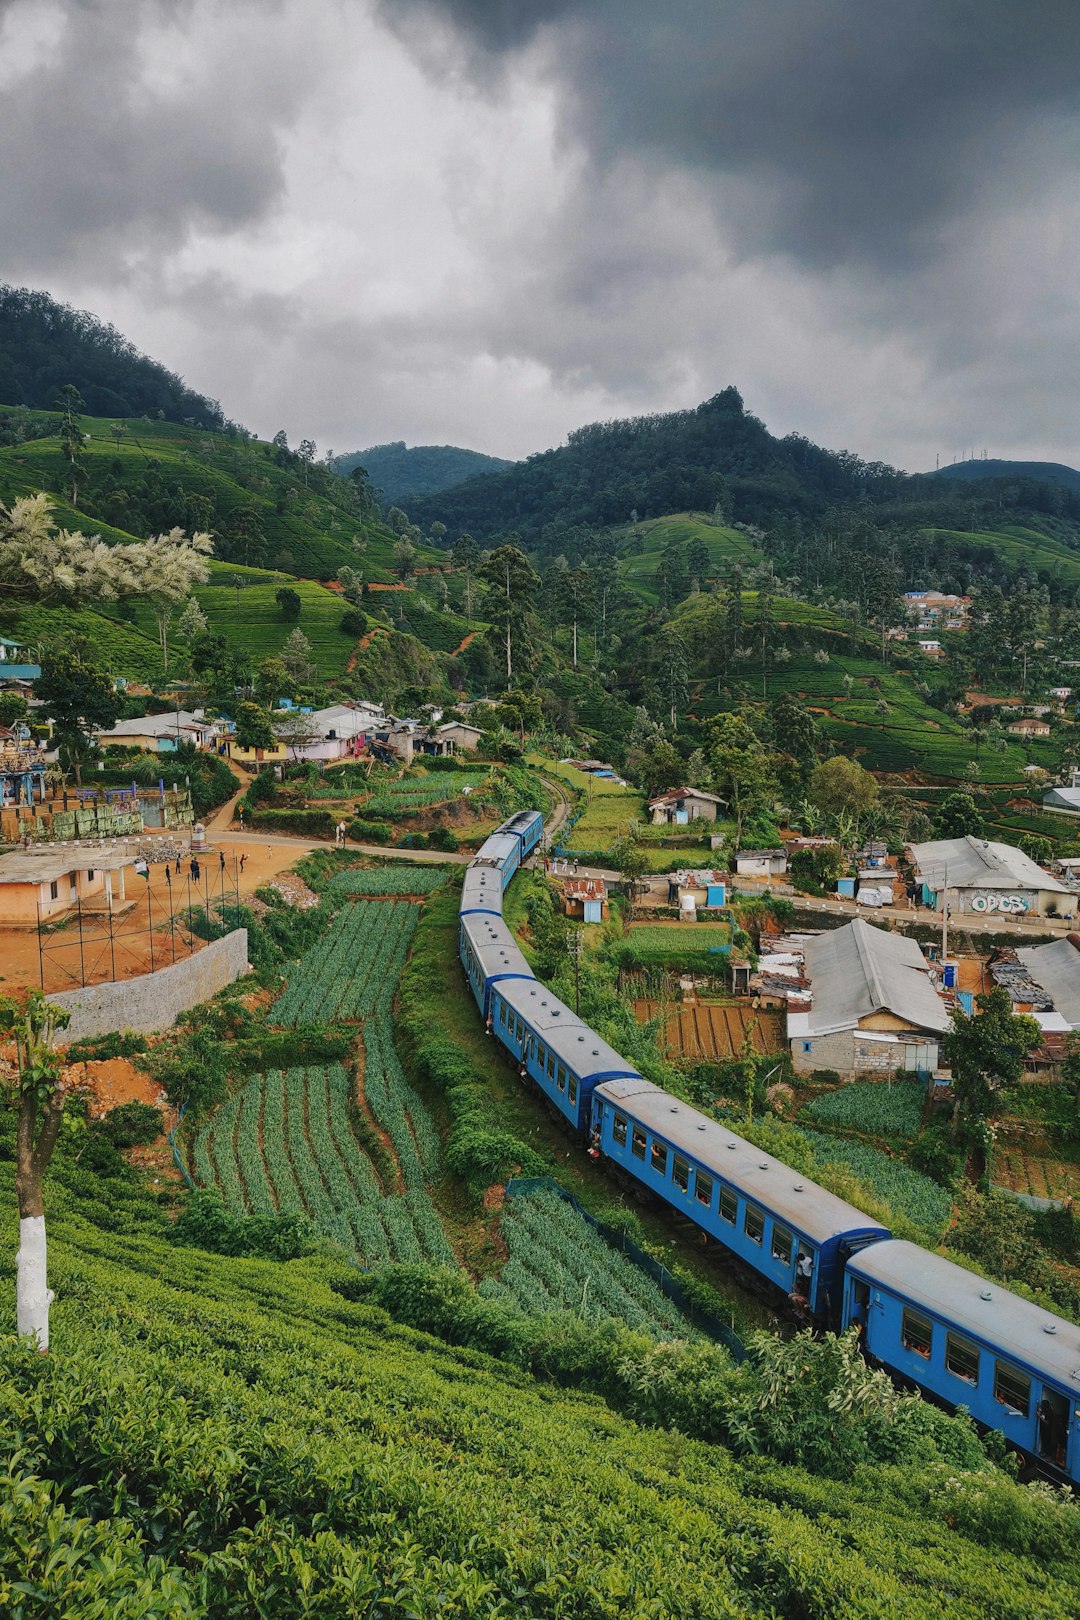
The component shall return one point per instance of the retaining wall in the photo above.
(151, 1003)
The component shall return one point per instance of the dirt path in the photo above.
(222, 816)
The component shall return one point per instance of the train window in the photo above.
(782, 1244)
(753, 1224)
(541, 1054)
(680, 1173)
(703, 1187)
(637, 1143)
(573, 1088)
(659, 1158)
(962, 1358)
(551, 1065)
(729, 1205)
(618, 1131)
(1012, 1388)
(519, 1029)
(917, 1333)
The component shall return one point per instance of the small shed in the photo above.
(585, 897)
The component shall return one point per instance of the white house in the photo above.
(344, 729)
(681, 805)
(163, 733)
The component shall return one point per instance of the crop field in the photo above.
(383, 882)
(606, 816)
(709, 1033)
(656, 943)
(285, 1142)
(346, 972)
(908, 1191)
(559, 1263)
(874, 1108)
(411, 794)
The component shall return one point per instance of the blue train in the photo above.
(961, 1340)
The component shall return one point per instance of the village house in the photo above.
(40, 885)
(931, 610)
(1030, 726)
(761, 863)
(987, 879)
(17, 667)
(873, 1007)
(692, 890)
(679, 806)
(463, 735)
(163, 733)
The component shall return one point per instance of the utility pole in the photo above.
(945, 919)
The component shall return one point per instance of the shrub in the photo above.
(309, 823)
(117, 1043)
(205, 1223)
(370, 832)
(132, 1124)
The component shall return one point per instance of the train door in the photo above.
(859, 1315)
(804, 1272)
(1053, 1415)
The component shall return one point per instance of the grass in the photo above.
(875, 1109)
(656, 943)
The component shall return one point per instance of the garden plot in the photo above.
(285, 1144)
(908, 1191)
(558, 1262)
(346, 972)
(873, 1108)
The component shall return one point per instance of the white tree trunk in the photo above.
(33, 1296)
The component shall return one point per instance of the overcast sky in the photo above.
(485, 223)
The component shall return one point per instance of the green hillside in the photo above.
(1021, 547)
(230, 1438)
(641, 546)
(401, 472)
(167, 470)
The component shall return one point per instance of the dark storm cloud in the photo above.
(113, 140)
(830, 130)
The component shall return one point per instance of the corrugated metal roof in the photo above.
(984, 1309)
(977, 863)
(858, 970)
(1055, 967)
(818, 1214)
(495, 946)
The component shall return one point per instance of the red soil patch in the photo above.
(495, 1196)
(373, 587)
(469, 638)
(108, 1082)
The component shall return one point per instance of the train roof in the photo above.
(482, 888)
(986, 1310)
(494, 850)
(818, 1214)
(495, 946)
(520, 822)
(562, 1031)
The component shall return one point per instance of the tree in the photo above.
(629, 859)
(841, 784)
(78, 697)
(289, 602)
(437, 531)
(306, 454)
(742, 770)
(37, 1094)
(656, 766)
(404, 557)
(166, 568)
(272, 680)
(698, 561)
(296, 730)
(13, 709)
(958, 816)
(69, 402)
(397, 520)
(673, 675)
(795, 731)
(514, 582)
(986, 1050)
(296, 656)
(253, 727)
(192, 622)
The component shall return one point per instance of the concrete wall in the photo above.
(152, 1002)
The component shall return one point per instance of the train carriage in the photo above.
(527, 826)
(553, 1046)
(972, 1343)
(787, 1228)
(490, 954)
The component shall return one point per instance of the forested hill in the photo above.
(46, 346)
(716, 454)
(979, 472)
(402, 473)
